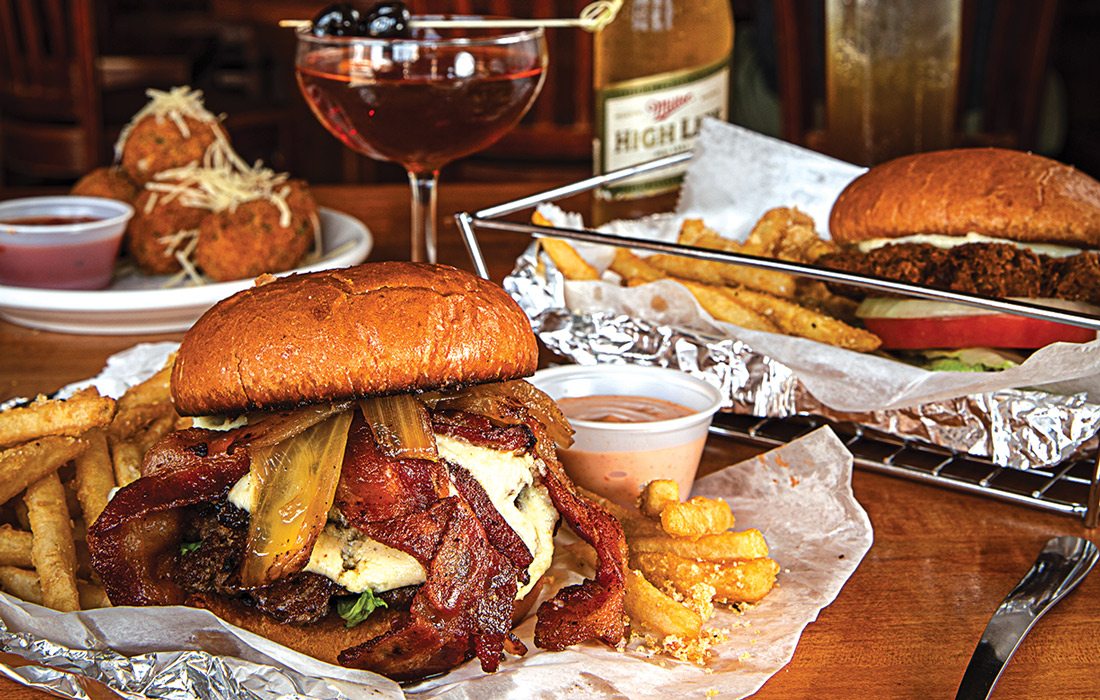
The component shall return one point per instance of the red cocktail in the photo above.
(422, 100)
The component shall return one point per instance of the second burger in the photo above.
(993, 222)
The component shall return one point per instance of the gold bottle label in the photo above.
(659, 115)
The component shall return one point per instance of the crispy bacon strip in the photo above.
(465, 605)
(500, 533)
(139, 531)
(592, 609)
(376, 487)
(416, 648)
(480, 431)
(467, 599)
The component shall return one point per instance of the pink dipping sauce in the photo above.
(87, 265)
(620, 475)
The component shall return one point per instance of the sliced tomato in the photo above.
(986, 330)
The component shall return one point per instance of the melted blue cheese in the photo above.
(942, 241)
(358, 563)
(219, 422)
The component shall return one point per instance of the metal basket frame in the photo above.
(1072, 487)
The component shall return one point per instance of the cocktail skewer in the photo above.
(592, 18)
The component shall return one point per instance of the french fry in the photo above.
(564, 255)
(52, 549)
(656, 495)
(631, 267)
(805, 323)
(45, 417)
(717, 273)
(126, 458)
(727, 546)
(695, 232)
(568, 260)
(724, 308)
(633, 522)
(92, 596)
(15, 547)
(770, 228)
(154, 390)
(816, 295)
(153, 432)
(800, 243)
(24, 584)
(696, 517)
(648, 606)
(23, 465)
(83, 557)
(734, 582)
(21, 583)
(132, 419)
(95, 476)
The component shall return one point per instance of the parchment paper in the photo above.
(800, 496)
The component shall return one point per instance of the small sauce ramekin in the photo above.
(66, 255)
(617, 459)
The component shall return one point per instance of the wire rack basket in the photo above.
(1071, 487)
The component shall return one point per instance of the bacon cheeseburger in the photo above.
(987, 221)
(372, 485)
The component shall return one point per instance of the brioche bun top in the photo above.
(378, 328)
(992, 191)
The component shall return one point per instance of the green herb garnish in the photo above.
(188, 547)
(358, 609)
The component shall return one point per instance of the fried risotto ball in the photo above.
(151, 226)
(249, 241)
(110, 182)
(156, 143)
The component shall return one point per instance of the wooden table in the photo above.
(904, 625)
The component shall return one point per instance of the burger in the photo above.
(987, 221)
(368, 479)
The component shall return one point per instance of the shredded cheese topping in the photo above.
(223, 181)
(174, 105)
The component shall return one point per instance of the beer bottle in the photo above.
(659, 68)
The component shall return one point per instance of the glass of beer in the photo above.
(891, 75)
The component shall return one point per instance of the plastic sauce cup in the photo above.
(38, 248)
(616, 460)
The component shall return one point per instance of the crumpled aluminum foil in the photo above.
(65, 648)
(1013, 428)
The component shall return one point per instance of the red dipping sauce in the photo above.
(63, 242)
(48, 220)
(72, 266)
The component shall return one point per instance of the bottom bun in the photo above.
(324, 640)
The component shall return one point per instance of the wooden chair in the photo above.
(53, 82)
(1005, 49)
(49, 94)
(235, 65)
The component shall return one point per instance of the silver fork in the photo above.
(1062, 564)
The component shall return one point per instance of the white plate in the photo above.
(140, 304)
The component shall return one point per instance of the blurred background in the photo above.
(73, 72)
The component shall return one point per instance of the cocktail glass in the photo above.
(422, 100)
